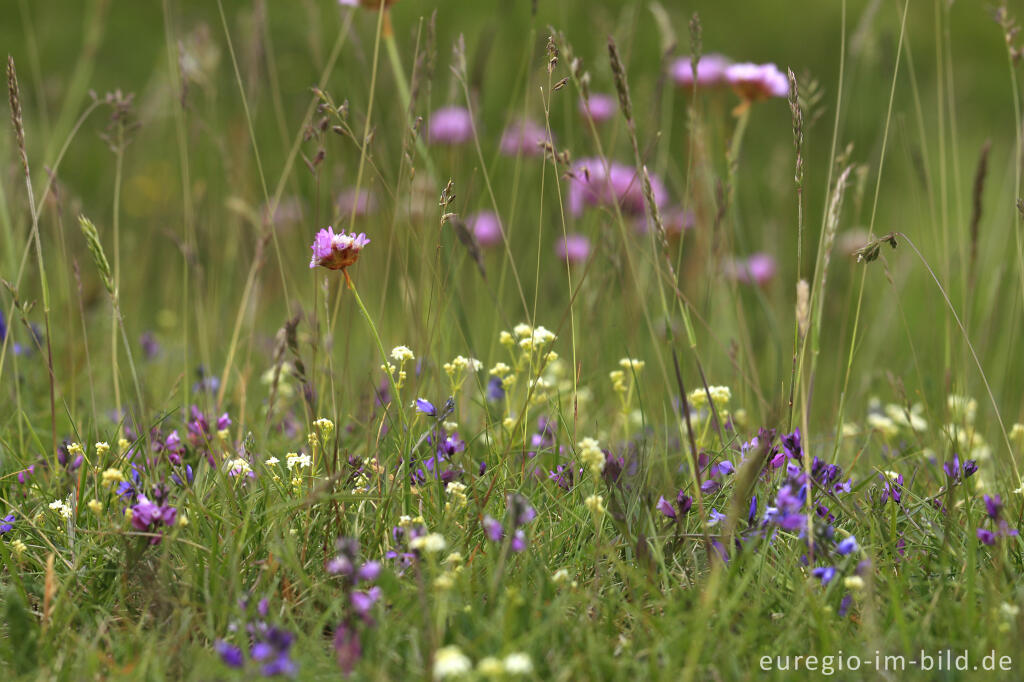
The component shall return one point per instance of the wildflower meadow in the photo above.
(511, 339)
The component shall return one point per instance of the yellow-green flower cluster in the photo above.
(591, 456)
(458, 369)
(401, 355)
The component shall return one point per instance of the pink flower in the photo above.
(336, 251)
(574, 248)
(601, 107)
(757, 81)
(450, 125)
(486, 227)
(711, 70)
(594, 183)
(523, 137)
(757, 269)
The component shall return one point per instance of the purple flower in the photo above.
(336, 251)
(595, 183)
(450, 125)
(757, 269)
(715, 516)
(7, 523)
(523, 137)
(986, 536)
(678, 220)
(826, 573)
(666, 508)
(493, 529)
(426, 407)
(847, 546)
(574, 248)
(892, 488)
(684, 502)
(518, 543)
(486, 227)
(844, 604)
(495, 391)
(362, 602)
(725, 467)
(229, 653)
(368, 571)
(710, 486)
(520, 510)
(710, 71)
(786, 512)
(600, 107)
(993, 505)
(150, 346)
(223, 422)
(757, 81)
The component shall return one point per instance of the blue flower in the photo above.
(826, 573)
(846, 546)
(426, 407)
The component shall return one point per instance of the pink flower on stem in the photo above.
(336, 251)
(711, 70)
(523, 137)
(486, 227)
(594, 183)
(757, 81)
(574, 248)
(601, 107)
(450, 125)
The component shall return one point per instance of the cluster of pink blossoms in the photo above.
(336, 251)
(750, 81)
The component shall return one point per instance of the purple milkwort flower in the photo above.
(150, 346)
(564, 476)
(758, 269)
(26, 473)
(847, 546)
(450, 125)
(993, 505)
(714, 516)
(148, 516)
(786, 512)
(986, 536)
(757, 81)
(493, 529)
(710, 71)
(362, 201)
(495, 390)
(362, 602)
(826, 573)
(223, 422)
(613, 467)
(7, 523)
(956, 472)
(426, 407)
(486, 227)
(725, 467)
(892, 487)
(347, 648)
(574, 248)
(368, 571)
(275, 647)
(336, 251)
(599, 106)
(518, 543)
(595, 183)
(520, 510)
(844, 604)
(710, 486)
(229, 653)
(665, 507)
(523, 137)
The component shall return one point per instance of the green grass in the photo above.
(238, 109)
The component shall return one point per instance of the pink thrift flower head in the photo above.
(594, 183)
(371, 4)
(678, 220)
(757, 81)
(601, 107)
(574, 248)
(711, 69)
(450, 125)
(336, 251)
(523, 137)
(486, 227)
(757, 269)
(363, 201)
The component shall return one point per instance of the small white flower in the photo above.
(449, 661)
(272, 461)
(518, 664)
(402, 354)
(61, 507)
(432, 543)
(300, 460)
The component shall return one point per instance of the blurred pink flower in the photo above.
(450, 125)
(600, 106)
(711, 70)
(594, 183)
(757, 81)
(759, 269)
(523, 137)
(574, 248)
(363, 201)
(486, 227)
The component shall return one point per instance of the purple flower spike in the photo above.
(362, 602)
(7, 524)
(574, 248)
(450, 125)
(368, 571)
(518, 543)
(684, 503)
(711, 70)
(757, 81)
(993, 505)
(493, 529)
(347, 648)
(600, 107)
